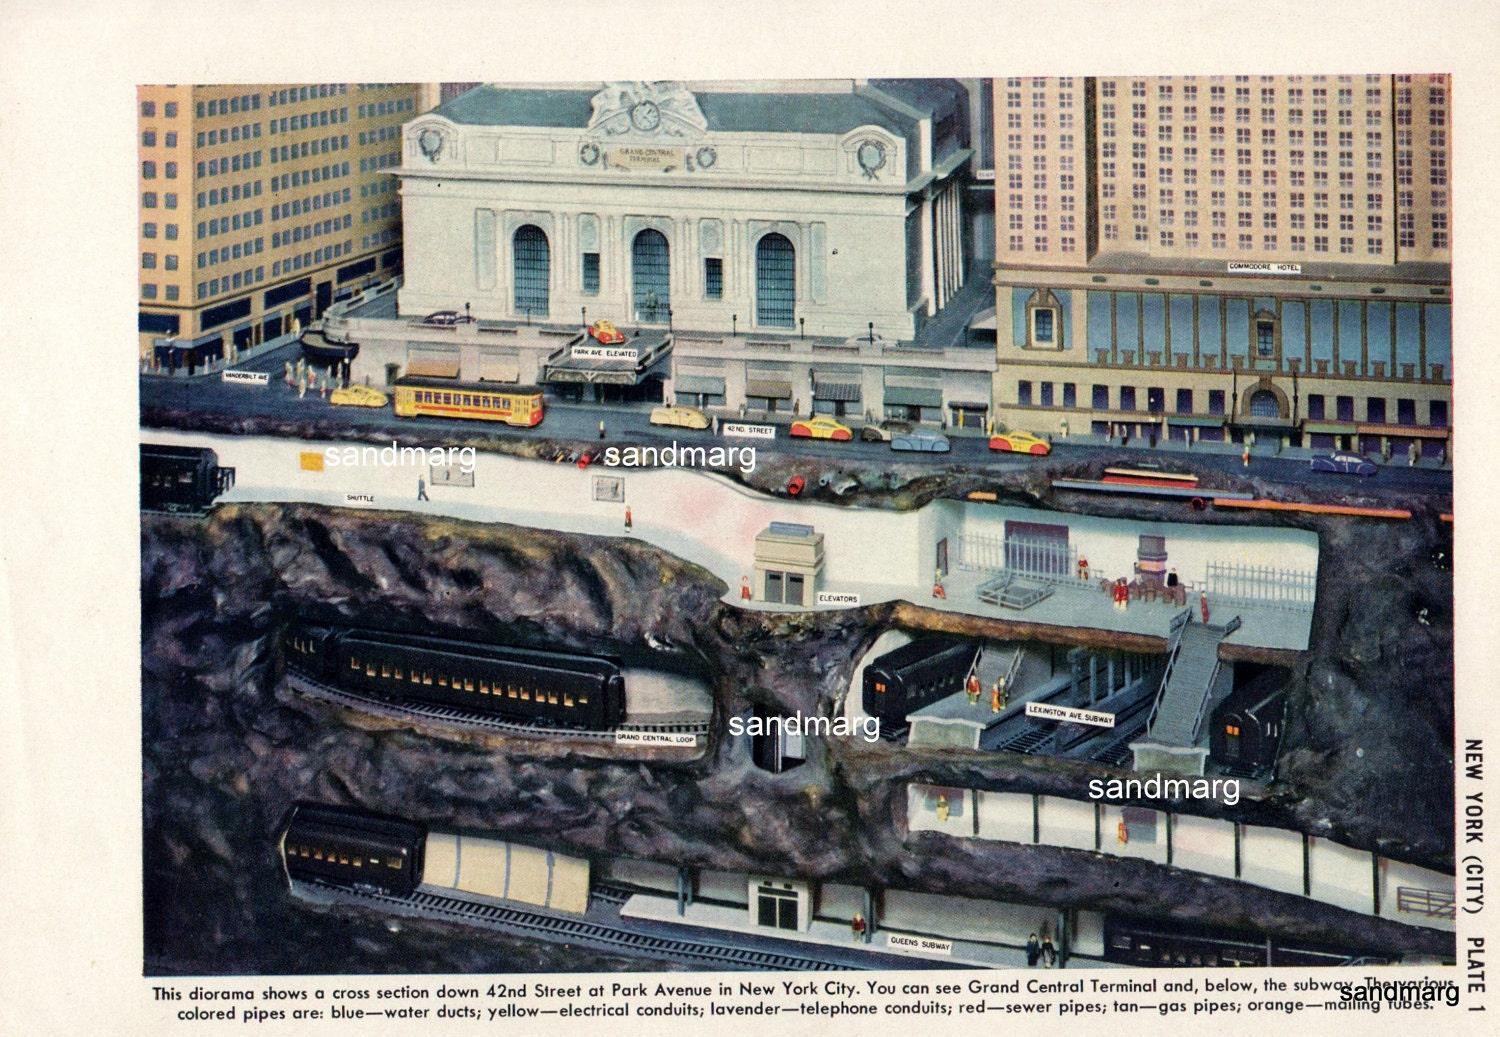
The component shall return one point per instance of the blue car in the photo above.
(922, 440)
(1344, 464)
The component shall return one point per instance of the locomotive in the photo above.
(346, 847)
(539, 687)
(181, 478)
(903, 681)
(1246, 729)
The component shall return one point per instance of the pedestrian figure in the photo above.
(1083, 568)
(942, 809)
(1245, 456)
(716, 424)
(1413, 451)
(288, 374)
(1062, 426)
(1122, 594)
(744, 588)
(1049, 952)
(627, 516)
(1033, 950)
(601, 428)
(1172, 578)
(421, 488)
(937, 586)
(1203, 604)
(972, 688)
(999, 695)
(857, 927)
(301, 388)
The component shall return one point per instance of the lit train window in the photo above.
(567, 700)
(353, 662)
(385, 671)
(369, 669)
(359, 862)
(880, 688)
(426, 677)
(374, 861)
(443, 680)
(398, 673)
(393, 863)
(552, 697)
(468, 684)
(510, 690)
(583, 700)
(317, 855)
(525, 694)
(484, 688)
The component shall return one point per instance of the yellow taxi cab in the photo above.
(1020, 443)
(358, 396)
(822, 428)
(682, 417)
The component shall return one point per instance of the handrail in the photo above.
(1174, 647)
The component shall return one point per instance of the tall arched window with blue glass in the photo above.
(533, 271)
(650, 277)
(775, 282)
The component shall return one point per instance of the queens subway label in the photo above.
(1072, 716)
(923, 944)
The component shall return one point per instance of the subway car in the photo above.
(181, 478)
(562, 688)
(915, 675)
(346, 847)
(1246, 730)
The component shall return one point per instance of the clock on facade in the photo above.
(645, 116)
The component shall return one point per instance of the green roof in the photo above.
(832, 113)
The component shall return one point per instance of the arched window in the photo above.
(650, 276)
(1264, 404)
(775, 282)
(533, 271)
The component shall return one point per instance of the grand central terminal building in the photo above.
(768, 247)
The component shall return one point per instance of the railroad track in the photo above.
(466, 720)
(521, 922)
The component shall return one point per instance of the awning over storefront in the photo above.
(839, 391)
(1412, 431)
(433, 365)
(1199, 421)
(1330, 428)
(969, 404)
(582, 362)
(769, 390)
(697, 383)
(908, 396)
(499, 368)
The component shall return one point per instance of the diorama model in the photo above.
(798, 526)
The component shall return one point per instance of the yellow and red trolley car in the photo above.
(445, 398)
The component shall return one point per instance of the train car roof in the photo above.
(175, 451)
(419, 382)
(480, 650)
(919, 650)
(355, 819)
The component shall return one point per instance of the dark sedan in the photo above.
(1343, 464)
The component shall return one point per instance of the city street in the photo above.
(579, 423)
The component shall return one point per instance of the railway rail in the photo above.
(450, 716)
(535, 924)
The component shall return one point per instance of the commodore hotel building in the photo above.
(1211, 257)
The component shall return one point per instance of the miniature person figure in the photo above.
(1083, 568)
(716, 424)
(421, 488)
(937, 586)
(1245, 456)
(1033, 950)
(1049, 952)
(1171, 577)
(942, 809)
(627, 516)
(1122, 594)
(972, 688)
(744, 588)
(1413, 451)
(999, 695)
(601, 428)
(857, 926)
(301, 387)
(288, 374)
(1203, 604)
(1062, 426)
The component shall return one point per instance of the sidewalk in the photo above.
(215, 368)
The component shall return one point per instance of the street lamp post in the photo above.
(584, 311)
(802, 327)
(669, 318)
(734, 325)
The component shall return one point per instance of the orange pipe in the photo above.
(1314, 509)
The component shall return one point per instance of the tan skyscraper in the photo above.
(261, 203)
(1206, 257)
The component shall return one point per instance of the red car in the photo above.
(605, 333)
